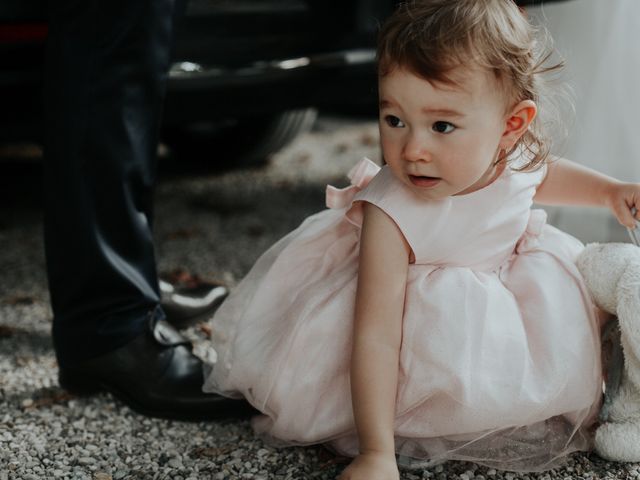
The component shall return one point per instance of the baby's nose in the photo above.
(416, 149)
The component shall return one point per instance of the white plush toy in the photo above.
(612, 274)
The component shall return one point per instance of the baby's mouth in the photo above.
(423, 180)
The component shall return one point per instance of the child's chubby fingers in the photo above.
(624, 214)
(625, 203)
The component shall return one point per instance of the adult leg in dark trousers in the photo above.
(105, 82)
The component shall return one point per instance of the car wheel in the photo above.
(234, 143)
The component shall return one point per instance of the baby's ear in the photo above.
(517, 122)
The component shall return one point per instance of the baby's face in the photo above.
(441, 140)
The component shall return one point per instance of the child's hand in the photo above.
(372, 466)
(621, 198)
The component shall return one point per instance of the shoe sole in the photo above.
(83, 387)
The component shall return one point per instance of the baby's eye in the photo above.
(443, 127)
(393, 121)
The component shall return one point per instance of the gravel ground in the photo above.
(211, 225)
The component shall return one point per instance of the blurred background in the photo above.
(600, 44)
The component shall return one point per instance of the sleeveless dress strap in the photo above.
(392, 197)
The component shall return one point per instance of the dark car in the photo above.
(245, 73)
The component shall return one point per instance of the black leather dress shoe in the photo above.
(187, 303)
(156, 375)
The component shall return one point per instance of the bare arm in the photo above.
(568, 183)
(384, 259)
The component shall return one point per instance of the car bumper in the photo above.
(345, 78)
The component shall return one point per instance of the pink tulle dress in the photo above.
(500, 356)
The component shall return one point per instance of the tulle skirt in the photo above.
(494, 368)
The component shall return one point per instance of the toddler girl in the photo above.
(429, 312)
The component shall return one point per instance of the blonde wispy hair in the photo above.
(431, 38)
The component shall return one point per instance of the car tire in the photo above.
(236, 143)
